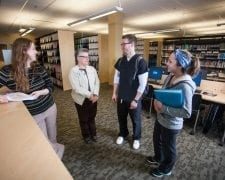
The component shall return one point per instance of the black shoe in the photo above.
(87, 140)
(94, 138)
(151, 160)
(157, 173)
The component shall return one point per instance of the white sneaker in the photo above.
(119, 140)
(136, 144)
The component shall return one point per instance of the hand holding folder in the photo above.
(170, 97)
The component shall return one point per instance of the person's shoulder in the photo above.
(74, 68)
(142, 63)
(187, 82)
(119, 60)
(39, 68)
(6, 68)
(141, 58)
(91, 68)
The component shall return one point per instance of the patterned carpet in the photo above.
(199, 156)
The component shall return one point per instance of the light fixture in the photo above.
(166, 31)
(220, 24)
(106, 12)
(27, 31)
(160, 31)
(21, 30)
(78, 22)
(97, 15)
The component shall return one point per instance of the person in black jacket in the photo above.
(27, 76)
(130, 80)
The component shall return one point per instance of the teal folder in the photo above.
(170, 97)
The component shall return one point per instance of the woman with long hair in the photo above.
(27, 76)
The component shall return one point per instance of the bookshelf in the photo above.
(153, 53)
(50, 57)
(139, 49)
(98, 52)
(209, 50)
(57, 56)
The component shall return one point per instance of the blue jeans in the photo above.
(164, 141)
(123, 109)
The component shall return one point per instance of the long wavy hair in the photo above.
(19, 63)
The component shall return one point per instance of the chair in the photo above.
(196, 107)
(222, 139)
(215, 114)
(148, 100)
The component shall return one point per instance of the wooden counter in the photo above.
(25, 152)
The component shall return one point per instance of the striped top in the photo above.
(38, 80)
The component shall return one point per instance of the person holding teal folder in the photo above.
(169, 121)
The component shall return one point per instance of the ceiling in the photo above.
(192, 17)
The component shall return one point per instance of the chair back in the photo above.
(196, 102)
(150, 93)
(196, 106)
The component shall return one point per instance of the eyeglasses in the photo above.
(123, 44)
(86, 57)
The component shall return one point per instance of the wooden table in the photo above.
(25, 152)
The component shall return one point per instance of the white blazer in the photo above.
(79, 83)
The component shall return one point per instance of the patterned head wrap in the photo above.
(183, 58)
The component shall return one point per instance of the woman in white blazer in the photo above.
(85, 90)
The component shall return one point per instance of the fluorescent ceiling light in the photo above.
(102, 15)
(77, 22)
(220, 24)
(21, 30)
(151, 36)
(160, 31)
(27, 31)
(97, 15)
(145, 33)
(166, 31)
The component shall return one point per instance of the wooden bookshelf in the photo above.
(50, 57)
(98, 52)
(210, 50)
(57, 56)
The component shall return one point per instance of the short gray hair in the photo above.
(81, 50)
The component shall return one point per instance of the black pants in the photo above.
(123, 109)
(86, 115)
(164, 141)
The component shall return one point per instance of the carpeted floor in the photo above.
(199, 156)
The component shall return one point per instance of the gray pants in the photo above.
(47, 123)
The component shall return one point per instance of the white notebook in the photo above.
(18, 96)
